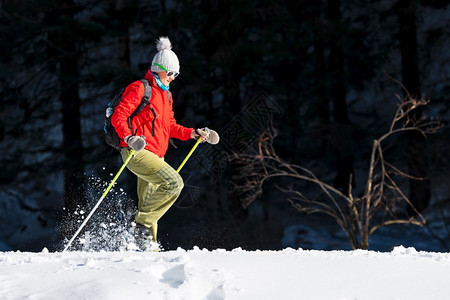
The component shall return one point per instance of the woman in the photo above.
(158, 185)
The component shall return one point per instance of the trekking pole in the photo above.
(189, 154)
(101, 199)
(215, 140)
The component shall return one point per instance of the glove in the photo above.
(207, 135)
(136, 143)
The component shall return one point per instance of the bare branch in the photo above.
(397, 221)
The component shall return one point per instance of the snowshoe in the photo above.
(143, 239)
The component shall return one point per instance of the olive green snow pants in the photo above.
(158, 186)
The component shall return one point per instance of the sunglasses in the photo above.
(169, 73)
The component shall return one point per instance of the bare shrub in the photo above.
(359, 217)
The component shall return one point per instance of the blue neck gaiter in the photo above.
(161, 86)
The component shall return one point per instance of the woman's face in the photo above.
(166, 80)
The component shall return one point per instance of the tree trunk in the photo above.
(419, 189)
(341, 127)
(322, 103)
(63, 37)
(74, 184)
(124, 40)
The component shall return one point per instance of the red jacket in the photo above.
(165, 125)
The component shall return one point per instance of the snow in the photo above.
(403, 273)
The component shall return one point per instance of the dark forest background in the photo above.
(326, 71)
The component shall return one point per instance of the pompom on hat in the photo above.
(165, 57)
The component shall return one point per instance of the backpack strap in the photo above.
(147, 91)
(145, 101)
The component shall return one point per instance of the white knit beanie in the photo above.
(165, 57)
